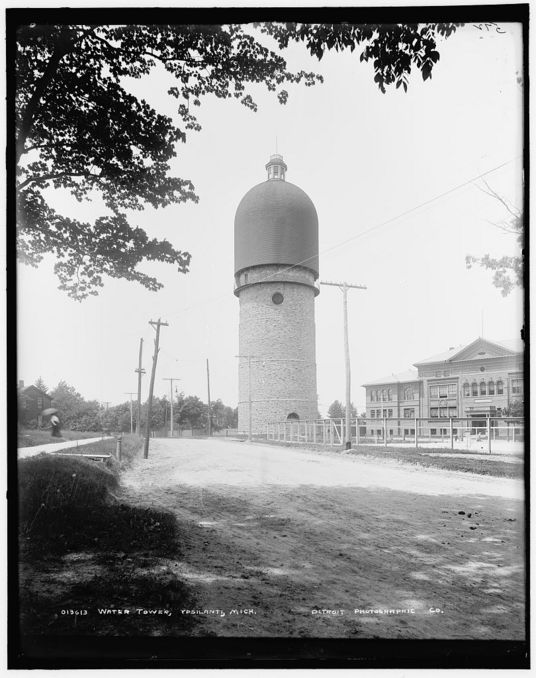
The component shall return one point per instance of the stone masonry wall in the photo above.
(281, 339)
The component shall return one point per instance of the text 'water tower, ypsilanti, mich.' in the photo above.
(276, 266)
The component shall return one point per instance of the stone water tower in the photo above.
(276, 266)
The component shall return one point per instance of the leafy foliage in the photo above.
(40, 384)
(393, 49)
(508, 271)
(515, 409)
(79, 129)
(338, 411)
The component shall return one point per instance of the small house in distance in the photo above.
(32, 401)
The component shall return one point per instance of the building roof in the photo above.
(399, 378)
(276, 223)
(33, 389)
(489, 349)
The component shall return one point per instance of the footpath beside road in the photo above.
(54, 447)
(286, 542)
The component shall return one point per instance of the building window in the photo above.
(443, 391)
(474, 388)
(446, 373)
(443, 412)
(491, 388)
(390, 414)
(438, 374)
(466, 389)
(245, 277)
(293, 417)
(482, 369)
(409, 413)
(482, 388)
(452, 389)
(433, 431)
(517, 386)
(499, 388)
(389, 394)
(408, 393)
(453, 411)
(384, 396)
(434, 411)
(433, 391)
(277, 298)
(373, 414)
(39, 403)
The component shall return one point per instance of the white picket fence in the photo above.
(492, 434)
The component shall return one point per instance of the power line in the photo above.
(360, 234)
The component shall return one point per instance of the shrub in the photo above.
(55, 484)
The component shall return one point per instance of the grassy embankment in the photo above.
(510, 466)
(30, 437)
(82, 549)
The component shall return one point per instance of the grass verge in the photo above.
(82, 550)
(511, 466)
(32, 437)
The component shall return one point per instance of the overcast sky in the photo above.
(364, 158)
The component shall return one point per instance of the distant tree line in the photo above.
(78, 414)
(338, 411)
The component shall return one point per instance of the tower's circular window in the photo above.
(277, 298)
(482, 369)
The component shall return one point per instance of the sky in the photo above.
(380, 169)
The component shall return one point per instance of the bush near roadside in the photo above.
(67, 503)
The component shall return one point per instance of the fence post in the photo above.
(416, 432)
(451, 435)
(331, 431)
(118, 441)
(489, 434)
(356, 432)
(385, 432)
(314, 431)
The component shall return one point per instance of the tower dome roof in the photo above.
(276, 223)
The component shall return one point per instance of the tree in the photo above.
(193, 413)
(79, 129)
(508, 271)
(515, 409)
(223, 416)
(67, 400)
(336, 410)
(40, 384)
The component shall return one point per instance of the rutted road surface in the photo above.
(302, 543)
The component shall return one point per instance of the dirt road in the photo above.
(283, 542)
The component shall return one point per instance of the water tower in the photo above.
(276, 266)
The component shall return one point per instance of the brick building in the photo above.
(476, 381)
(31, 402)
(276, 266)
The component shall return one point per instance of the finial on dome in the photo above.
(276, 167)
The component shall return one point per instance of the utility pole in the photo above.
(171, 380)
(157, 326)
(208, 391)
(131, 418)
(249, 357)
(140, 371)
(344, 286)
